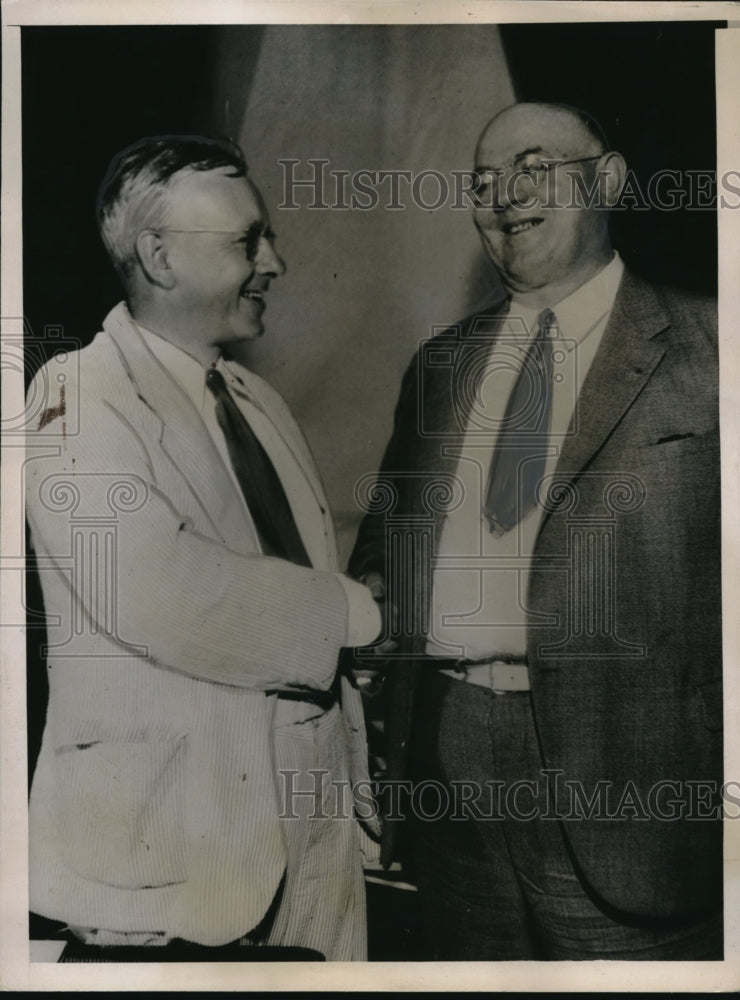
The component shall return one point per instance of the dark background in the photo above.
(651, 87)
(90, 91)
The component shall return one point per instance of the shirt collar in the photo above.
(581, 311)
(183, 367)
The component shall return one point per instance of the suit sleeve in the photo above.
(194, 604)
(369, 553)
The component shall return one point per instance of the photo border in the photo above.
(16, 971)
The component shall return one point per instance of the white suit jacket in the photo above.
(154, 803)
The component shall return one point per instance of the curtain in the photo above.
(364, 285)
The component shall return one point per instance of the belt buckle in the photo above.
(502, 671)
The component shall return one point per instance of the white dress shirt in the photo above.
(191, 377)
(479, 584)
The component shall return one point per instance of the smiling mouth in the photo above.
(254, 295)
(513, 228)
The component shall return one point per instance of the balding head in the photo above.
(544, 241)
(566, 128)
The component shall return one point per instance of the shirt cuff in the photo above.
(364, 620)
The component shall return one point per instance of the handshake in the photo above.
(369, 663)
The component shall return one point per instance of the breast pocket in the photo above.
(119, 809)
(680, 446)
(681, 480)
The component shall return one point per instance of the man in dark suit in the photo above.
(545, 531)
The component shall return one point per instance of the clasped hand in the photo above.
(371, 662)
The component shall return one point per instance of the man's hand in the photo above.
(367, 668)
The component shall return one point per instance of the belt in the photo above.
(499, 674)
(324, 699)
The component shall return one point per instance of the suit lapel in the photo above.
(628, 356)
(183, 435)
(624, 363)
(450, 393)
(260, 395)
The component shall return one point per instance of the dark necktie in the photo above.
(520, 455)
(260, 484)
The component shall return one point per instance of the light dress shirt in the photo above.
(479, 582)
(190, 375)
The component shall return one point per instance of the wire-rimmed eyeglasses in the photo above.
(250, 238)
(534, 170)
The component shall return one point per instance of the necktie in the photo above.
(260, 484)
(521, 449)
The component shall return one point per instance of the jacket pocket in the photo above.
(679, 446)
(119, 811)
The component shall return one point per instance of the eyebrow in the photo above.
(254, 233)
(526, 152)
(519, 156)
(258, 229)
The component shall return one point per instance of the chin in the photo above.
(536, 272)
(230, 346)
(522, 274)
(252, 332)
(526, 281)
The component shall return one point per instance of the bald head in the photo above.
(569, 131)
(544, 241)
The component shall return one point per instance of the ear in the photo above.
(614, 169)
(152, 254)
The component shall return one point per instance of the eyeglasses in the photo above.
(251, 237)
(533, 169)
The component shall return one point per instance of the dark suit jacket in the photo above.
(624, 631)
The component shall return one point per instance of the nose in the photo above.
(519, 189)
(502, 189)
(269, 262)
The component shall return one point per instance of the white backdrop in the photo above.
(362, 287)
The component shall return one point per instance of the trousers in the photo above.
(499, 884)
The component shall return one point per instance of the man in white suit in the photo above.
(194, 626)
